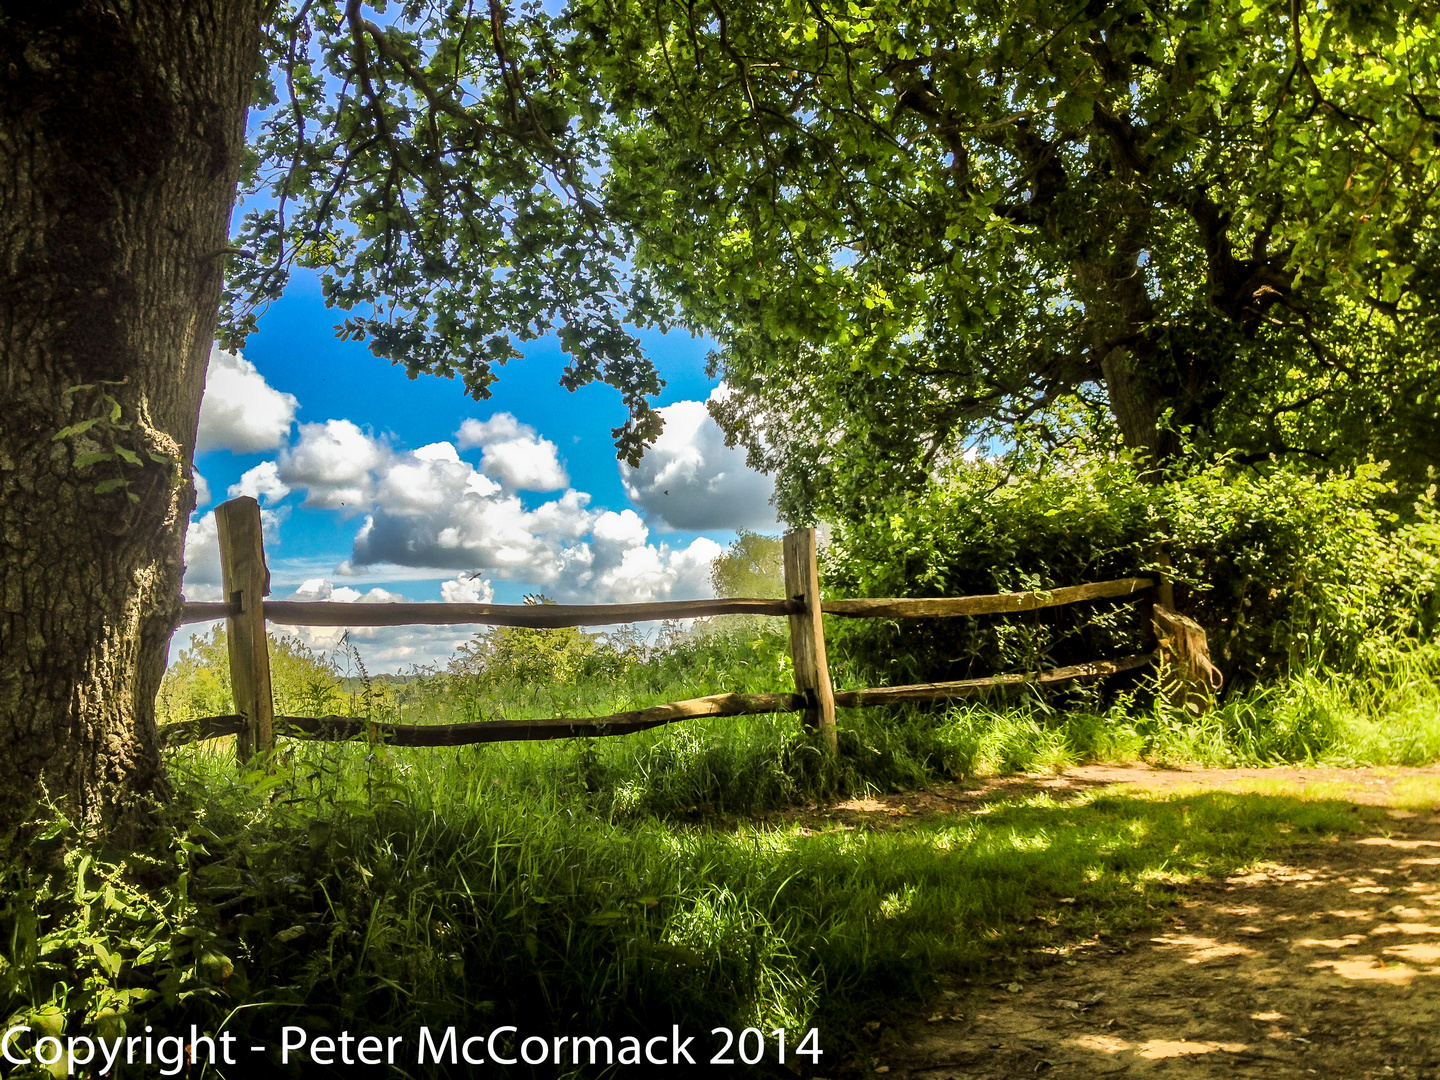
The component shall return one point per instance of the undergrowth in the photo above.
(624, 886)
(365, 890)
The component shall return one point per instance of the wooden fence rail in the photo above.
(625, 723)
(247, 581)
(537, 616)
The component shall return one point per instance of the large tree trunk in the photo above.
(121, 135)
(1118, 311)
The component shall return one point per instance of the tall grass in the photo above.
(367, 890)
(1389, 717)
(624, 885)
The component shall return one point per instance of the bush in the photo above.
(303, 682)
(1279, 566)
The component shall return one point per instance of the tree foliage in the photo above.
(438, 169)
(911, 226)
(1284, 569)
(916, 224)
(751, 566)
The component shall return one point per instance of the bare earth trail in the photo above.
(1328, 965)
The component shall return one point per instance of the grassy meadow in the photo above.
(624, 886)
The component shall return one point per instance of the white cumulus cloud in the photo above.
(473, 531)
(467, 589)
(261, 482)
(646, 573)
(332, 462)
(514, 453)
(431, 513)
(202, 552)
(691, 480)
(240, 410)
(322, 589)
(381, 647)
(437, 518)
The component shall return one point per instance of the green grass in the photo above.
(430, 887)
(624, 885)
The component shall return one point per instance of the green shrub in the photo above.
(1279, 566)
(303, 682)
(751, 566)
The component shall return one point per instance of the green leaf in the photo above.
(1075, 110)
(75, 429)
(109, 961)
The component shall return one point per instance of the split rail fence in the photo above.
(246, 582)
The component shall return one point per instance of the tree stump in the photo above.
(1187, 677)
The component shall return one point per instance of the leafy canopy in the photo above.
(916, 223)
(908, 224)
(438, 168)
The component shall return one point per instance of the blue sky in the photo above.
(521, 493)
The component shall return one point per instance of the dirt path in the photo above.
(1326, 966)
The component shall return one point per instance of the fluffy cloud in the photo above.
(321, 589)
(240, 410)
(425, 481)
(467, 589)
(201, 583)
(620, 566)
(261, 482)
(202, 489)
(473, 530)
(498, 428)
(380, 647)
(691, 480)
(332, 462)
(429, 512)
(514, 453)
(441, 517)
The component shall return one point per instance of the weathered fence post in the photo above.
(807, 634)
(1188, 679)
(246, 582)
(1164, 587)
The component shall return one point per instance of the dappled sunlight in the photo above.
(1415, 954)
(1333, 942)
(1155, 1049)
(1366, 968)
(1389, 841)
(1103, 1044)
(1406, 928)
(1202, 949)
(1266, 873)
(865, 806)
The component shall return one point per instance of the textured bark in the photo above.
(1107, 245)
(121, 135)
(1118, 312)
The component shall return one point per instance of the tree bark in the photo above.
(1118, 311)
(121, 136)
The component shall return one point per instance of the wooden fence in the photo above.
(246, 581)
